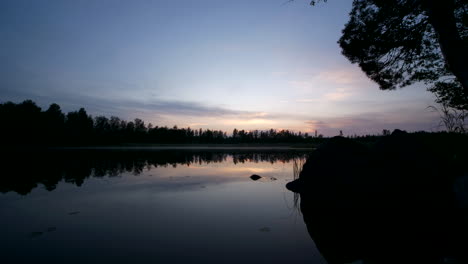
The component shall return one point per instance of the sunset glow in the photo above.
(204, 64)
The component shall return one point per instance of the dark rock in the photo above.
(393, 201)
(295, 186)
(35, 234)
(255, 177)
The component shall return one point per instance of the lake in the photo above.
(95, 206)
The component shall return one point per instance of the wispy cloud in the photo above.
(181, 108)
(197, 124)
(346, 76)
(250, 122)
(374, 123)
(329, 86)
(338, 95)
(308, 100)
(340, 77)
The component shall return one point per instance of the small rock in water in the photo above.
(74, 213)
(295, 186)
(273, 179)
(255, 177)
(264, 229)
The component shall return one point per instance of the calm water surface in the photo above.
(152, 207)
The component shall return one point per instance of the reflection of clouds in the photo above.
(180, 183)
(247, 170)
(165, 167)
(228, 169)
(197, 177)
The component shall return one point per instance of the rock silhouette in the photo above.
(389, 202)
(255, 177)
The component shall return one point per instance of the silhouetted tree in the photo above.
(79, 127)
(20, 123)
(140, 129)
(102, 129)
(398, 43)
(129, 132)
(54, 124)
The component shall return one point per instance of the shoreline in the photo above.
(167, 147)
(191, 147)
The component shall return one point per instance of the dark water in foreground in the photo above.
(151, 207)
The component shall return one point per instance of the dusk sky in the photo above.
(246, 64)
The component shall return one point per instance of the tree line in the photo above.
(26, 123)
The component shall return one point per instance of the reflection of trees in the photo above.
(23, 172)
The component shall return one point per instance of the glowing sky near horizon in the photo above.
(246, 64)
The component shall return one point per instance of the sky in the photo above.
(218, 64)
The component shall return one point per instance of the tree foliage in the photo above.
(26, 124)
(398, 43)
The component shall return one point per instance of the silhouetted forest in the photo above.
(27, 124)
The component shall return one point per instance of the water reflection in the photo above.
(151, 207)
(22, 172)
(378, 235)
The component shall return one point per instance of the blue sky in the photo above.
(246, 64)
